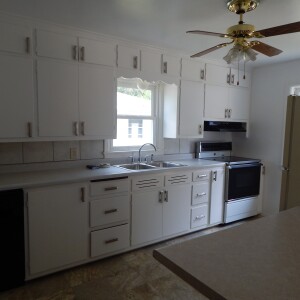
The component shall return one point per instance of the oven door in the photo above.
(243, 181)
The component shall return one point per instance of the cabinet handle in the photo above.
(160, 197)
(197, 218)
(166, 196)
(200, 129)
(111, 241)
(201, 176)
(165, 67)
(135, 62)
(202, 74)
(82, 128)
(76, 128)
(27, 42)
(75, 52)
(200, 195)
(226, 113)
(215, 175)
(82, 53)
(232, 79)
(111, 188)
(110, 211)
(229, 113)
(29, 129)
(228, 78)
(82, 194)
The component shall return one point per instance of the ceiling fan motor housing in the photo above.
(241, 30)
(242, 6)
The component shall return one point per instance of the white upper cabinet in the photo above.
(191, 109)
(226, 103)
(192, 69)
(171, 65)
(97, 101)
(57, 98)
(129, 58)
(17, 97)
(240, 78)
(70, 47)
(15, 38)
(151, 62)
(217, 74)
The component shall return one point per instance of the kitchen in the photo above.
(269, 89)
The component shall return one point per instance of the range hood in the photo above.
(225, 126)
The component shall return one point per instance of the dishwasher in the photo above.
(12, 248)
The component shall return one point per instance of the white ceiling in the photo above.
(164, 22)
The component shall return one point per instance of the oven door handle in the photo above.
(239, 166)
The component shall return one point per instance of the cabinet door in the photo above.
(217, 196)
(238, 77)
(128, 57)
(239, 103)
(56, 45)
(17, 96)
(176, 209)
(97, 101)
(191, 109)
(57, 98)
(97, 52)
(151, 62)
(146, 217)
(171, 65)
(192, 69)
(216, 101)
(16, 39)
(217, 74)
(58, 227)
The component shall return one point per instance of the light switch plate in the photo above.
(73, 153)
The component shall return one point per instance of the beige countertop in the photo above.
(30, 179)
(259, 260)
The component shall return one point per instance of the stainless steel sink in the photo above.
(136, 166)
(165, 164)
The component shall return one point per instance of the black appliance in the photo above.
(225, 126)
(242, 179)
(12, 248)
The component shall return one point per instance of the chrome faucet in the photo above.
(140, 160)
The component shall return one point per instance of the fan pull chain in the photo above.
(244, 77)
(238, 79)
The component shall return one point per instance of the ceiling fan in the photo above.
(240, 34)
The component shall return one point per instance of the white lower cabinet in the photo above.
(109, 240)
(57, 227)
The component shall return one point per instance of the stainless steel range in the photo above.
(242, 180)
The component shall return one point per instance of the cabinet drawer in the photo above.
(147, 182)
(178, 178)
(109, 240)
(109, 187)
(109, 210)
(200, 193)
(199, 216)
(201, 175)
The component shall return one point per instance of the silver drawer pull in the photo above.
(111, 241)
(27, 41)
(197, 218)
(202, 176)
(111, 188)
(200, 195)
(110, 211)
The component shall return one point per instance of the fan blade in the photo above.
(265, 49)
(210, 50)
(208, 33)
(278, 30)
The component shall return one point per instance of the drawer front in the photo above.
(200, 193)
(147, 182)
(109, 187)
(109, 240)
(201, 175)
(199, 216)
(178, 178)
(109, 210)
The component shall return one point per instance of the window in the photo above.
(136, 114)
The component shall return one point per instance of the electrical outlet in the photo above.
(73, 153)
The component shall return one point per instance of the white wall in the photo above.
(270, 88)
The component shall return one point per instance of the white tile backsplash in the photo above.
(172, 146)
(37, 152)
(62, 150)
(91, 149)
(11, 153)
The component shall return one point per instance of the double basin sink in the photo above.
(150, 166)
